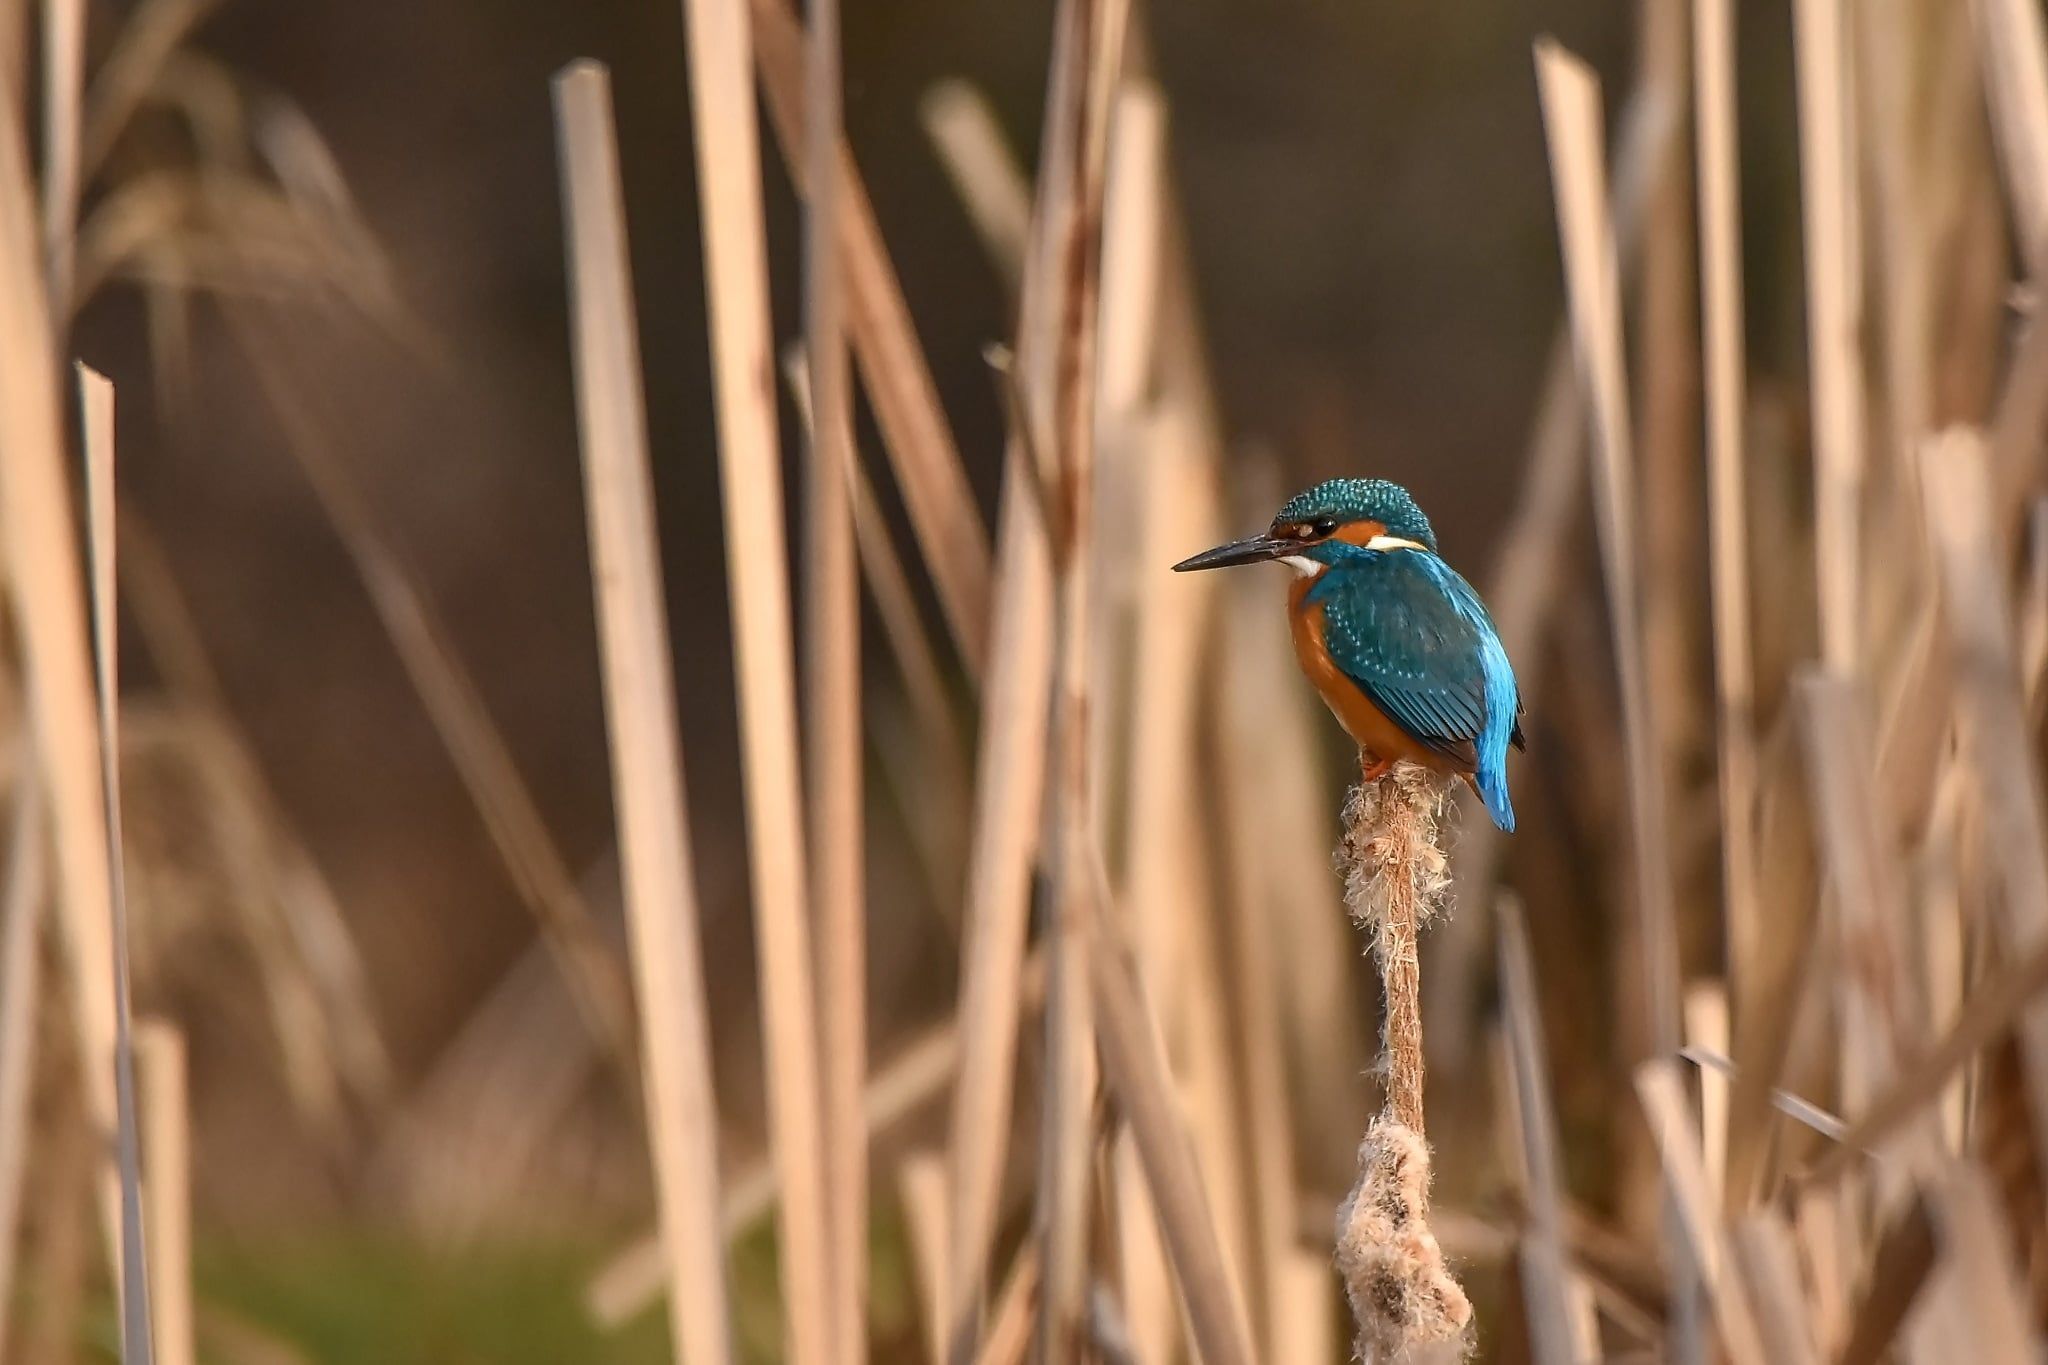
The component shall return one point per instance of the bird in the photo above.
(1398, 644)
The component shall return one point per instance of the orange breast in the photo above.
(1364, 722)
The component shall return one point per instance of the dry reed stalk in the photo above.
(1059, 356)
(1216, 1092)
(897, 1091)
(167, 1184)
(1404, 1300)
(1706, 1031)
(1135, 1069)
(1879, 1004)
(931, 784)
(1146, 481)
(2011, 54)
(647, 779)
(14, 56)
(64, 1250)
(1254, 983)
(1727, 495)
(969, 139)
(1763, 1248)
(921, 1192)
(1979, 1303)
(927, 464)
(1660, 1087)
(63, 30)
(96, 404)
(1571, 104)
(1665, 305)
(1533, 559)
(41, 550)
(757, 582)
(1978, 614)
(832, 678)
(1572, 129)
(20, 987)
(1994, 1004)
(1834, 312)
(1555, 1336)
(1009, 788)
(1009, 1326)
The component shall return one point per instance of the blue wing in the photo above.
(1416, 639)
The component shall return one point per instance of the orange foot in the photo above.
(1374, 768)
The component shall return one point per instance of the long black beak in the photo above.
(1255, 550)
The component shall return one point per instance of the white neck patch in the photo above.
(1384, 543)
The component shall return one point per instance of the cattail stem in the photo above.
(1406, 1302)
(1394, 882)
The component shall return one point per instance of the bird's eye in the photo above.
(1327, 526)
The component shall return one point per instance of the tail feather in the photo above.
(1491, 782)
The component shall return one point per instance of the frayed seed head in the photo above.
(1408, 1307)
(1390, 855)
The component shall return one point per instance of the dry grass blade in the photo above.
(146, 40)
(1135, 1068)
(654, 846)
(20, 987)
(96, 399)
(727, 141)
(928, 467)
(1834, 314)
(1554, 1335)
(832, 679)
(1727, 408)
(321, 945)
(969, 138)
(167, 1183)
(454, 703)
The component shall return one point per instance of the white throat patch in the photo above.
(1303, 565)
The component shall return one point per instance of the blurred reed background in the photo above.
(985, 991)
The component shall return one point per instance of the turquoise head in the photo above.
(1336, 520)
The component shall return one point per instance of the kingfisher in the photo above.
(1398, 644)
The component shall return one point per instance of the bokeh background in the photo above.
(320, 252)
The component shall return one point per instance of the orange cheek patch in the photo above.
(1360, 532)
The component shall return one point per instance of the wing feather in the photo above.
(1416, 640)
